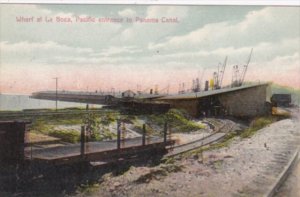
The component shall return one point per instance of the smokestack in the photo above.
(206, 86)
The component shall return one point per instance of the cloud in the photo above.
(38, 51)
(266, 25)
(281, 69)
(142, 33)
(127, 13)
(122, 55)
(167, 11)
(114, 50)
(30, 47)
(85, 35)
(283, 47)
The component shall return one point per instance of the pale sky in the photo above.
(94, 56)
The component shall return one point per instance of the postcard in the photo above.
(149, 100)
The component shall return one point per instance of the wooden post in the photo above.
(123, 135)
(144, 135)
(82, 141)
(165, 132)
(118, 134)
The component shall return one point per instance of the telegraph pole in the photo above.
(56, 84)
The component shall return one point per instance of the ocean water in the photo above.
(20, 102)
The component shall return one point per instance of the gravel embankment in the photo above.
(248, 167)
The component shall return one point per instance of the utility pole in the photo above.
(56, 85)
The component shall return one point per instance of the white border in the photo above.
(162, 2)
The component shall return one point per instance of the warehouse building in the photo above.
(243, 101)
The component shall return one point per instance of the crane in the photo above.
(245, 69)
(221, 74)
(201, 78)
(146, 90)
(218, 76)
(165, 90)
(237, 77)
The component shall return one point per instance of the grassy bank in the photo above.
(46, 126)
(178, 121)
(99, 123)
(255, 125)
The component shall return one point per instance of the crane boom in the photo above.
(245, 68)
(222, 72)
(165, 89)
(201, 78)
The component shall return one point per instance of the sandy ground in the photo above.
(38, 137)
(246, 168)
(112, 127)
(182, 138)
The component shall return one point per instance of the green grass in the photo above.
(46, 126)
(104, 135)
(181, 121)
(71, 136)
(178, 120)
(69, 119)
(89, 189)
(225, 142)
(257, 124)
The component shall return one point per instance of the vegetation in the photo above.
(89, 189)
(159, 172)
(97, 126)
(225, 142)
(178, 120)
(71, 136)
(256, 124)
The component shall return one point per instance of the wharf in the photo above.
(97, 151)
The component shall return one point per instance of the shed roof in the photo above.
(194, 95)
(149, 96)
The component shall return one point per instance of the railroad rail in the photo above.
(219, 133)
(33, 113)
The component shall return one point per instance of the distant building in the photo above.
(128, 94)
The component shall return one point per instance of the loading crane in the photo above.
(237, 77)
(165, 90)
(221, 74)
(218, 76)
(245, 68)
(201, 78)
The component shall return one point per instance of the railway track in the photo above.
(47, 113)
(221, 128)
